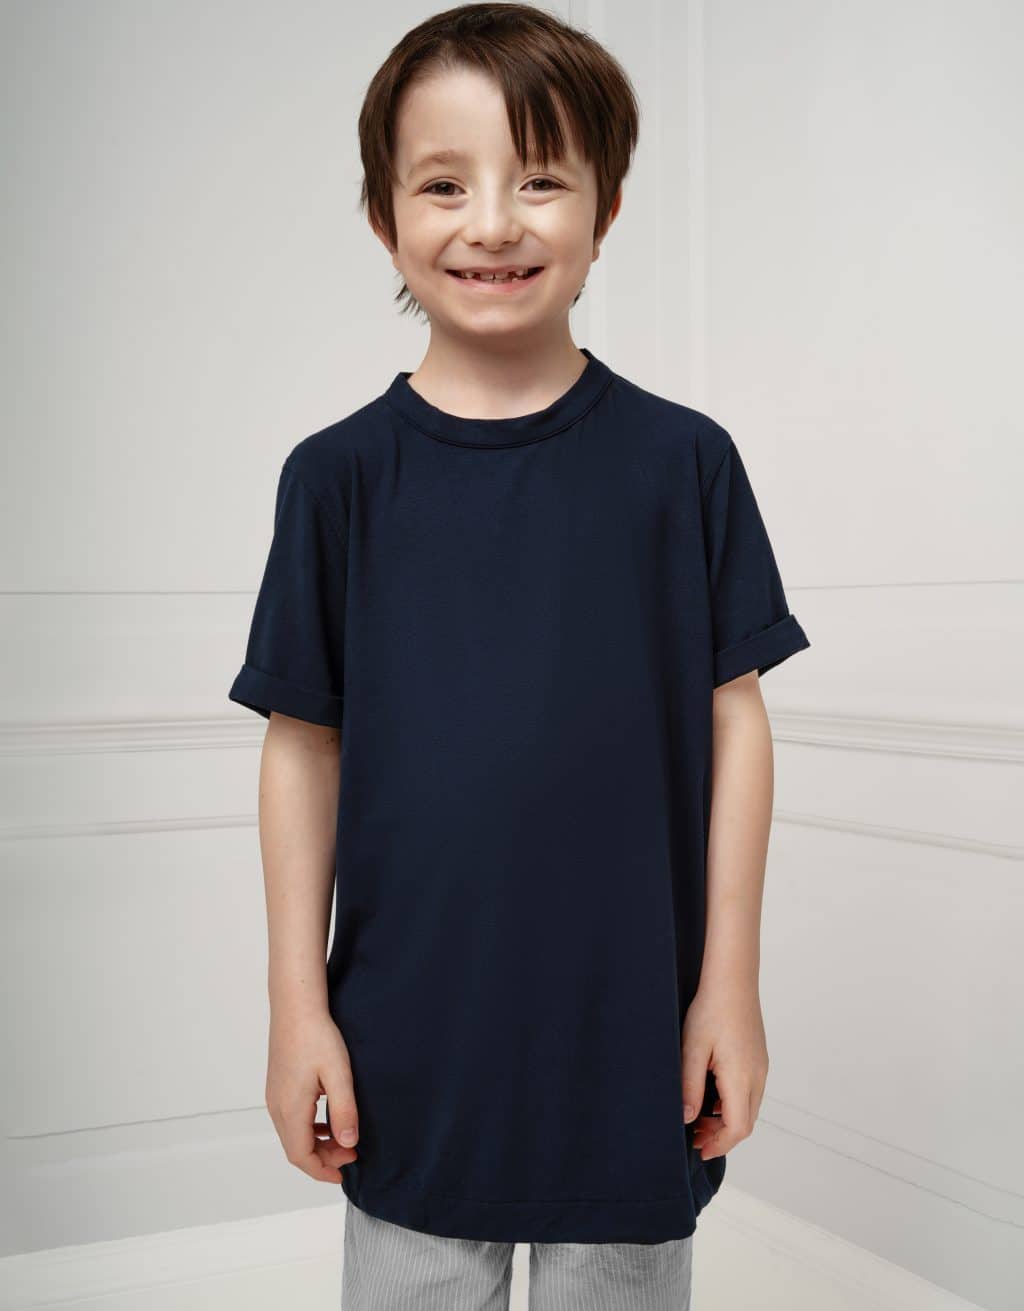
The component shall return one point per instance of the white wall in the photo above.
(819, 246)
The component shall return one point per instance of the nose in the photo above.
(491, 221)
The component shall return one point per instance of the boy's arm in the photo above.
(742, 794)
(724, 1030)
(298, 798)
(299, 777)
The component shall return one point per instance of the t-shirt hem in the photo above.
(706, 1182)
(573, 1220)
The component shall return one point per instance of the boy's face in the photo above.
(482, 209)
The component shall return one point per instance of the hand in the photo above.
(308, 1057)
(724, 1032)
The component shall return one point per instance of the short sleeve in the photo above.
(294, 659)
(752, 627)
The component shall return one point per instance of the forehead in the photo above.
(458, 116)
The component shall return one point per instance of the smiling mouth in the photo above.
(487, 278)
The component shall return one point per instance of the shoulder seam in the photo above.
(318, 500)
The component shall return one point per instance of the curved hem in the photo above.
(707, 1181)
(625, 1220)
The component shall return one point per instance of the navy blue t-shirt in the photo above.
(517, 625)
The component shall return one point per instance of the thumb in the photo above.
(695, 1073)
(343, 1114)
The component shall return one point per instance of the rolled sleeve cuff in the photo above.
(263, 693)
(762, 651)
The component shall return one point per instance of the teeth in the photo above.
(504, 277)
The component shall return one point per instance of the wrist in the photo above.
(297, 998)
(730, 978)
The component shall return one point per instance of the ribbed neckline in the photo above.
(563, 411)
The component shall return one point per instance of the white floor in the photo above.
(749, 1256)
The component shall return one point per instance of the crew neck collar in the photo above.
(563, 411)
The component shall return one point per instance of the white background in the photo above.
(819, 246)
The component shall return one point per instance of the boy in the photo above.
(509, 606)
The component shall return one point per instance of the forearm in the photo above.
(741, 812)
(298, 798)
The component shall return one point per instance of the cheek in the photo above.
(568, 236)
(573, 260)
(431, 237)
(420, 230)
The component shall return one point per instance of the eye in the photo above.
(430, 191)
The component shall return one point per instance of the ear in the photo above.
(382, 237)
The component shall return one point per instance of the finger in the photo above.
(734, 1123)
(329, 1149)
(342, 1112)
(707, 1137)
(295, 1129)
(695, 1072)
(705, 1129)
(318, 1162)
(328, 1146)
(332, 1154)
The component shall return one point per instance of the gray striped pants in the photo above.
(386, 1267)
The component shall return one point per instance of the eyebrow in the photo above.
(440, 157)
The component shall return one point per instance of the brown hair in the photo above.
(542, 66)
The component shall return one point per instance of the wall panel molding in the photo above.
(841, 732)
(195, 823)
